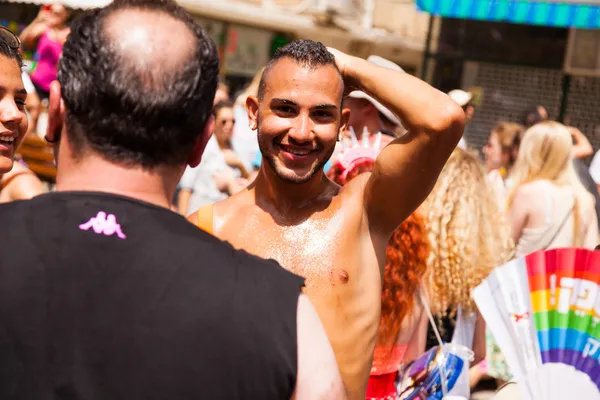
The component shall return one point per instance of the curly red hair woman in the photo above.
(403, 324)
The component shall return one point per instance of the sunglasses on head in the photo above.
(12, 39)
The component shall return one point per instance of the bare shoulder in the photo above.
(21, 183)
(16, 171)
(232, 203)
(530, 190)
(223, 207)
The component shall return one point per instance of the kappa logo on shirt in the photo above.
(104, 224)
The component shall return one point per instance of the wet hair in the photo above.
(405, 264)
(221, 105)
(7, 51)
(129, 114)
(306, 53)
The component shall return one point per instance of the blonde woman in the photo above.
(469, 236)
(548, 207)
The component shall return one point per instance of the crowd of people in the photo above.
(310, 239)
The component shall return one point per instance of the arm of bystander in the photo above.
(318, 374)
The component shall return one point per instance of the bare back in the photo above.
(329, 244)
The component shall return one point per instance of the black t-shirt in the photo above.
(105, 297)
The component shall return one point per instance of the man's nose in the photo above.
(302, 131)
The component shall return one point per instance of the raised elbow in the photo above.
(450, 121)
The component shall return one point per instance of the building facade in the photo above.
(247, 32)
(516, 55)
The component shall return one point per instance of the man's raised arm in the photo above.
(406, 169)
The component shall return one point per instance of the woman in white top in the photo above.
(548, 207)
(245, 139)
(221, 172)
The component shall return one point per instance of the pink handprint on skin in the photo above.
(104, 224)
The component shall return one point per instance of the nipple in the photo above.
(339, 276)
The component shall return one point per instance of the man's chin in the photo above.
(291, 176)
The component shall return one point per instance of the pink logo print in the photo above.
(104, 224)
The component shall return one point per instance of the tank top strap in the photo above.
(205, 218)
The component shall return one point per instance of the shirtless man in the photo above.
(334, 237)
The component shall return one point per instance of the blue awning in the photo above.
(577, 14)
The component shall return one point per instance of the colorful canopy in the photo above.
(578, 14)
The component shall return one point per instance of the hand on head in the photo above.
(344, 63)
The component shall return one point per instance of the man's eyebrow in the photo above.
(22, 91)
(325, 106)
(286, 102)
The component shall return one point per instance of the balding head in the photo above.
(138, 78)
(150, 44)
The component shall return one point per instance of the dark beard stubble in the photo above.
(263, 145)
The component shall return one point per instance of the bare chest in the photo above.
(316, 249)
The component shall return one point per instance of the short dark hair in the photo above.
(221, 105)
(304, 52)
(7, 50)
(132, 117)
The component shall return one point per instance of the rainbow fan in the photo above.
(544, 313)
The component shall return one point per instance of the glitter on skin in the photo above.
(312, 257)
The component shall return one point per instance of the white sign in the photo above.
(247, 50)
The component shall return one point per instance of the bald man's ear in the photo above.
(252, 107)
(201, 142)
(56, 114)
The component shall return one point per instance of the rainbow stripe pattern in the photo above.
(565, 300)
(582, 14)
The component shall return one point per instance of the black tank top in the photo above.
(104, 297)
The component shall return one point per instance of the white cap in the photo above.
(357, 94)
(461, 97)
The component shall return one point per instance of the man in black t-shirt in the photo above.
(107, 294)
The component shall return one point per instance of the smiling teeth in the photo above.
(7, 139)
(299, 153)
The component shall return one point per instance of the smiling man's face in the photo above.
(298, 118)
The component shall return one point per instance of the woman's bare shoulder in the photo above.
(21, 183)
(532, 189)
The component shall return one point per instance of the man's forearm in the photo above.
(418, 105)
(31, 33)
